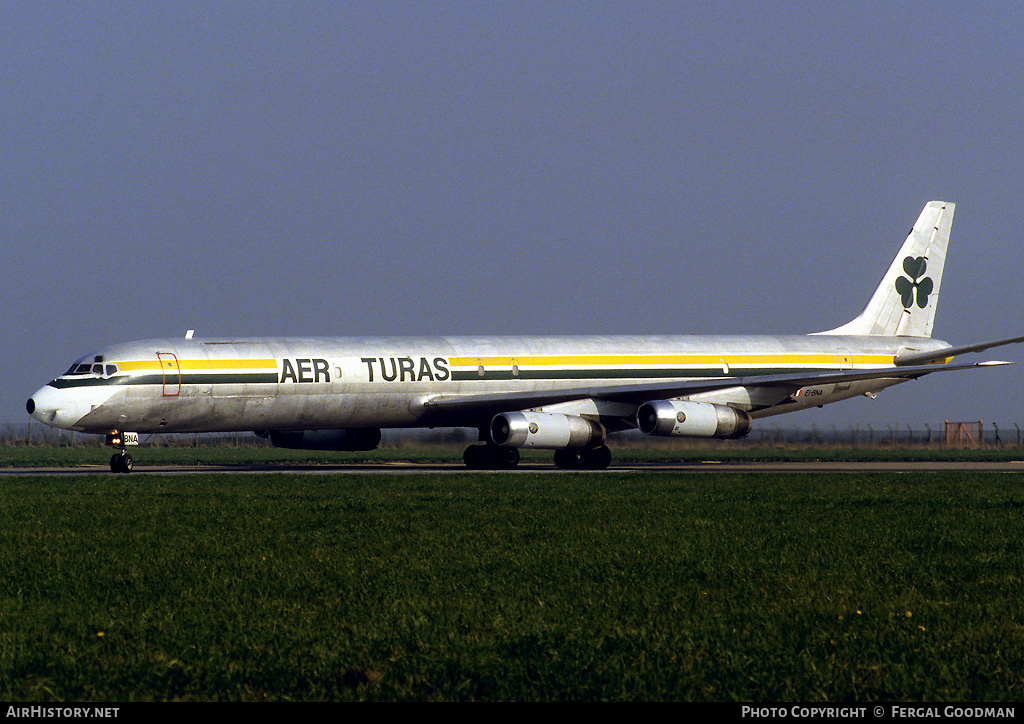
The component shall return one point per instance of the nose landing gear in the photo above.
(121, 461)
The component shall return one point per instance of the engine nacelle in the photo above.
(682, 418)
(362, 438)
(545, 430)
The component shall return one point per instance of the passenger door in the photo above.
(171, 371)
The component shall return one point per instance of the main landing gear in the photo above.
(495, 457)
(490, 457)
(594, 458)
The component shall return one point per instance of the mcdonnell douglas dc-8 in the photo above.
(566, 394)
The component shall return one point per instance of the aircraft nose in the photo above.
(46, 405)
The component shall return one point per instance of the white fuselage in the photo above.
(184, 385)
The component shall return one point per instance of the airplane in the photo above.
(565, 394)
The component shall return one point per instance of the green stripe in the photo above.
(62, 383)
(171, 380)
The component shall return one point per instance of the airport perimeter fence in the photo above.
(971, 434)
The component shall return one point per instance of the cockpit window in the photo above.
(94, 367)
(79, 369)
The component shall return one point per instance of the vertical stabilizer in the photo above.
(904, 303)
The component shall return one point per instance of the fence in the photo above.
(947, 434)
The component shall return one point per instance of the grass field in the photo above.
(512, 587)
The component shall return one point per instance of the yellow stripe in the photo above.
(228, 364)
(696, 359)
(209, 364)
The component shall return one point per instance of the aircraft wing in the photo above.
(493, 403)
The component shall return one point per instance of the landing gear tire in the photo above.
(121, 463)
(503, 458)
(595, 458)
(475, 457)
(568, 459)
(490, 457)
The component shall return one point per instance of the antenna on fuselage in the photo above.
(189, 333)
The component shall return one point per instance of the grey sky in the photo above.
(487, 168)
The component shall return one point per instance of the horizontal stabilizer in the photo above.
(908, 356)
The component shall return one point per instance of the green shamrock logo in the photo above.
(915, 269)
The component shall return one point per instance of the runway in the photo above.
(687, 468)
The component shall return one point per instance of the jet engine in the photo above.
(545, 430)
(361, 438)
(683, 418)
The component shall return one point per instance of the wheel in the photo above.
(502, 458)
(490, 457)
(597, 458)
(120, 463)
(569, 459)
(475, 457)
